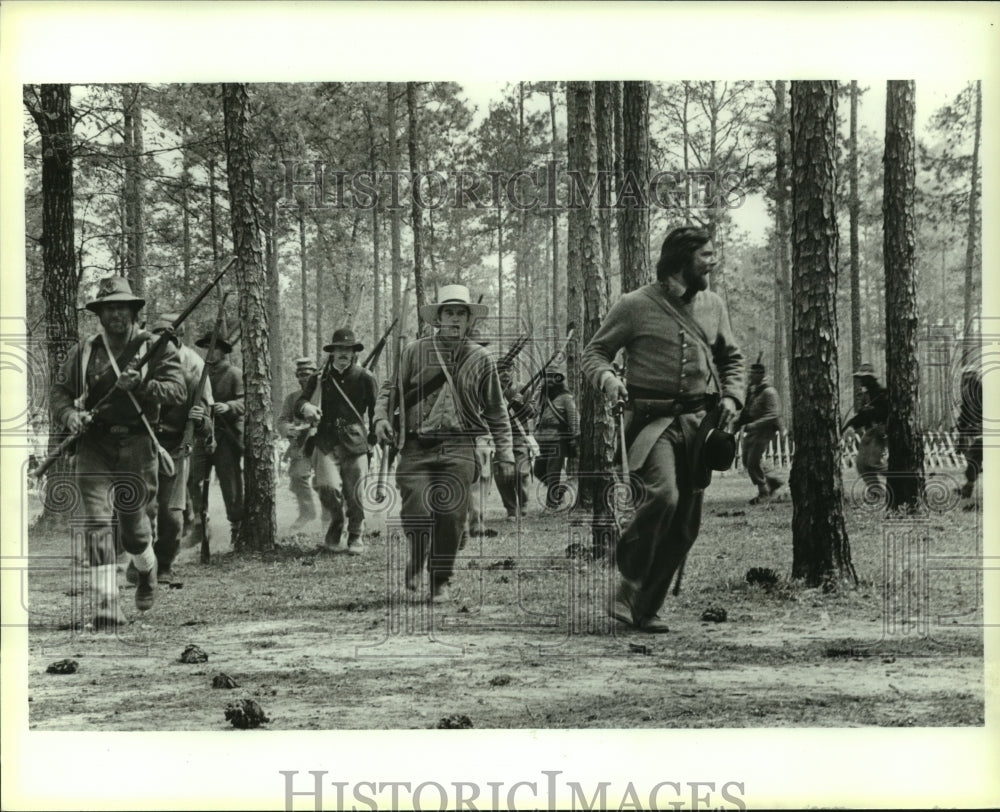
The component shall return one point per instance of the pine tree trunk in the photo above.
(783, 237)
(275, 336)
(633, 238)
(597, 440)
(906, 450)
(259, 526)
(821, 552)
(303, 278)
(605, 124)
(555, 216)
(972, 269)
(135, 240)
(396, 270)
(213, 213)
(854, 208)
(413, 141)
(52, 112)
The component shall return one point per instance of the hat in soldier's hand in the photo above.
(112, 290)
(344, 337)
(452, 294)
(713, 449)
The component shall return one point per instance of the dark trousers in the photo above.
(548, 471)
(227, 461)
(664, 526)
(754, 446)
(435, 484)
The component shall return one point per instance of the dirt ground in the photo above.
(324, 642)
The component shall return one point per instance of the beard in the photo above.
(693, 280)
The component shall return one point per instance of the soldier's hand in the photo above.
(78, 421)
(614, 388)
(198, 415)
(129, 380)
(220, 408)
(384, 432)
(729, 411)
(503, 472)
(311, 413)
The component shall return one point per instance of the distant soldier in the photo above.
(557, 433)
(227, 458)
(761, 422)
(871, 417)
(342, 421)
(521, 411)
(300, 469)
(116, 459)
(170, 432)
(970, 428)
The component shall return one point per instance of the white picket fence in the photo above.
(939, 450)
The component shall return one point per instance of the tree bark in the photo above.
(633, 238)
(275, 336)
(821, 552)
(783, 239)
(555, 214)
(854, 209)
(396, 260)
(303, 278)
(135, 238)
(973, 278)
(904, 480)
(605, 123)
(259, 527)
(597, 441)
(52, 112)
(413, 142)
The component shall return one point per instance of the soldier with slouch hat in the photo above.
(345, 392)
(116, 464)
(300, 470)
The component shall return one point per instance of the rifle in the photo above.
(541, 372)
(508, 360)
(395, 393)
(199, 395)
(153, 351)
(373, 356)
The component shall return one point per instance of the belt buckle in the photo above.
(119, 430)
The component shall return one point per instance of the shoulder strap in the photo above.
(691, 326)
(347, 400)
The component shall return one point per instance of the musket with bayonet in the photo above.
(153, 352)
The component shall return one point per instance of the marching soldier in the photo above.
(761, 422)
(521, 411)
(116, 452)
(227, 458)
(299, 465)
(339, 447)
(871, 461)
(557, 433)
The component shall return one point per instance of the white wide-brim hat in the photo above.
(452, 294)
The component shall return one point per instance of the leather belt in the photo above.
(120, 429)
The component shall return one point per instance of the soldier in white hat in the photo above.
(115, 452)
(449, 394)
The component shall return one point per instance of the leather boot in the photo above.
(355, 546)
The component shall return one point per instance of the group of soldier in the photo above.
(445, 402)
